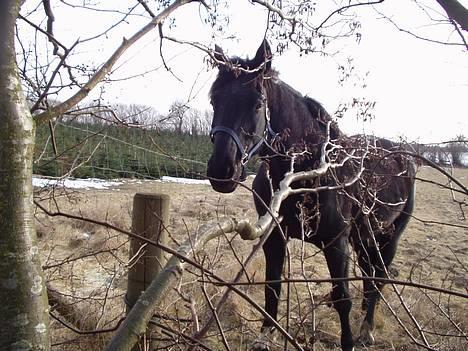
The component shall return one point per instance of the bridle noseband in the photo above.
(268, 136)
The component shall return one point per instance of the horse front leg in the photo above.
(336, 255)
(274, 250)
(366, 257)
(381, 258)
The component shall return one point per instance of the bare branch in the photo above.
(146, 7)
(344, 8)
(107, 66)
(456, 12)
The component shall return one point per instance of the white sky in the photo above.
(421, 89)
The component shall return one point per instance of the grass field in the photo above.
(86, 266)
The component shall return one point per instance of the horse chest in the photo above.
(314, 218)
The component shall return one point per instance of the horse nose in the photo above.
(222, 163)
(220, 168)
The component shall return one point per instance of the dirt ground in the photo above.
(86, 265)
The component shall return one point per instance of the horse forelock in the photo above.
(242, 71)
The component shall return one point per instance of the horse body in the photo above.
(371, 212)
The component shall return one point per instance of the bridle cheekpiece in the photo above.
(268, 136)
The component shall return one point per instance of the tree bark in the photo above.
(456, 12)
(24, 321)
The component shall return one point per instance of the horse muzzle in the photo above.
(224, 178)
(226, 167)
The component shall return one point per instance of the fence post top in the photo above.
(153, 196)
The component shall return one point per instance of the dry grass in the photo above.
(86, 271)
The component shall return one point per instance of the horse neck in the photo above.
(303, 119)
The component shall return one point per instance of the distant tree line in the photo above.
(180, 119)
(453, 153)
(124, 141)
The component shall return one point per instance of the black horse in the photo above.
(366, 198)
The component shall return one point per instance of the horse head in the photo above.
(240, 116)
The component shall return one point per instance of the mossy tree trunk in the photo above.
(24, 323)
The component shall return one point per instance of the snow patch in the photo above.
(184, 180)
(72, 183)
(95, 183)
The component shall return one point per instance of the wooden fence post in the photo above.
(150, 218)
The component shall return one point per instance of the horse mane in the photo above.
(313, 112)
(320, 113)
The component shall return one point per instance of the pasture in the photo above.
(86, 264)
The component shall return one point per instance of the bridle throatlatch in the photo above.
(268, 136)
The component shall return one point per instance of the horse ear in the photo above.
(219, 54)
(263, 56)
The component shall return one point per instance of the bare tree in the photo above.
(24, 322)
(176, 116)
(183, 119)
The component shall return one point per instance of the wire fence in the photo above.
(91, 150)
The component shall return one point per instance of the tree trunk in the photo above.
(24, 323)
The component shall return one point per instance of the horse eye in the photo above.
(258, 106)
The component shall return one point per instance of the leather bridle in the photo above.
(267, 137)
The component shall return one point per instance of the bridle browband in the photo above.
(268, 136)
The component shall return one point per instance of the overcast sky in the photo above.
(420, 88)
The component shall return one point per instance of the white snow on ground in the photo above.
(184, 180)
(95, 183)
(72, 183)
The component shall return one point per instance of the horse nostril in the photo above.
(218, 171)
(230, 171)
